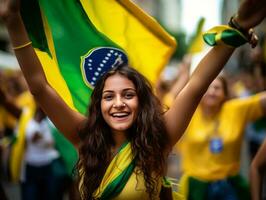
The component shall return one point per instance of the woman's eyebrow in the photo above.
(106, 91)
(126, 89)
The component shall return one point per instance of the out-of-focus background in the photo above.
(182, 19)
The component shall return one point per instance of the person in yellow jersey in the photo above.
(2, 148)
(126, 138)
(20, 94)
(211, 145)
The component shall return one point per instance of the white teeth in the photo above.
(119, 114)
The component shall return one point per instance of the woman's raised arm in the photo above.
(64, 118)
(250, 13)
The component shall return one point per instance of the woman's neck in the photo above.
(119, 139)
(210, 111)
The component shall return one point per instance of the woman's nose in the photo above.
(119, 103)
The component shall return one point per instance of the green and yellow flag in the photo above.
(79, 53)
(196, 43)
(78, 40)
(147, 44)
(87, 37)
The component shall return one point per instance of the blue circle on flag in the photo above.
(100, 60)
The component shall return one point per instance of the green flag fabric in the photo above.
(78, 45)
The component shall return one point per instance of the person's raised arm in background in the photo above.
(249, 14)
(65, 119)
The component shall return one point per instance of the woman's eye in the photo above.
(129, 95)
(108, 97)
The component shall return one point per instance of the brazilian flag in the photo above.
(79, 40)
(81, 53)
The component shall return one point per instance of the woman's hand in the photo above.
(9, 10)
(251, 13)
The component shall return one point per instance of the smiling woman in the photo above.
(124, 115)
(119, 103)
(129, 112)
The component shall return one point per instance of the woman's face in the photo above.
(215, 95)
(119, 103)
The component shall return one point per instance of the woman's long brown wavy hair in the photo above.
(147, 136)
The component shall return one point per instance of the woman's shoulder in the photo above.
(242, 101)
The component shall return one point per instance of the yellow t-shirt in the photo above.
(168, 99)
(25, 99)
(135, 189)
(197, 159)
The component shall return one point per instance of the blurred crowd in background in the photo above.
(245, 74)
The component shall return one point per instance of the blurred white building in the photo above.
(183, 15)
